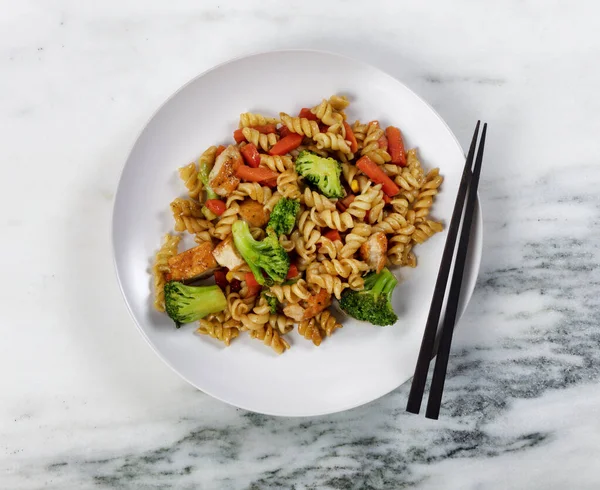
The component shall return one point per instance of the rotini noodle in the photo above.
(189, 175)
(316, 275)
(217, 331)
(161, 267)
(426, 229)
(253, 190)
(359, 235)
(251, 119)
(287, 184)
(260, 140)
(314, 199)
(332, 219)
(271, 338)
(223, 227)
(334, 142)
(276, 163)
(290, 293)
(299, 125)
(324, 111)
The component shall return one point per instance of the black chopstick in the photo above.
(443, 353)
(427, 344)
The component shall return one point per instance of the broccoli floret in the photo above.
(203, 172)
(272, 302)
(323, 173)
(265, 256)
(373, 303)
(283, 217)
(186, 304)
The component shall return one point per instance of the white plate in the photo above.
(360, 362)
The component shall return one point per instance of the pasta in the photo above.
(334, 142)
(321, 325)
(223, 227)
(299, 125)
(161, 267)
(287, 184)
(347, 222)
(359, 235)
(332, 219)
(324, 111)
(189, 175)
(217, 330)
(250, 119)
(315, 200)
(276, 163)
(264, 141)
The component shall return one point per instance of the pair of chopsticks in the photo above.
(468, 188)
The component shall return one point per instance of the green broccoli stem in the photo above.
(203, 173)
(382, 283)
(246, 244)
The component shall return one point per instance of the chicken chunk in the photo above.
(194, 263)
(227, 255)
(222, 177)
(374, 251)
(307, 309)
(254, 213)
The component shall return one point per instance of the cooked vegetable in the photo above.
(203, 172)
(186, 304)
(373, 304)
(266, 128)
(266, 256)
(307, 114)
(292, 272)
(238, 136)
(251, 155)
(250, 279)
(287, 144)
(272, 302)
(323, 173)
(378, 176)
(283, 217)
(216, 206)
(259, 174)
(221, 279)
(351, 138)
(396, 146)
(220, 149)
(333, 235)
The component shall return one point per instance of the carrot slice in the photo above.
(253, 291)
(238, 136)
(292, 271)
(216, 206)
(251, 280)
(266, 128)
(351, 138)
(372, 170)
(220, 150)
(251, 155)
(333, 235)
(287, 144)
(383, 143)
(259, 174)
(284, 131)
(305, 112)
(396, 146)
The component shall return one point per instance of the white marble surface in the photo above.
(86, 404)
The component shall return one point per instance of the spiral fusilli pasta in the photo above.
(260, 140)
(299, 125)
(332, 219)
(276, 163)
(161, 267)
(251, 119)
(324, 111)
(223, 227)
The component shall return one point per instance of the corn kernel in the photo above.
(354, 185)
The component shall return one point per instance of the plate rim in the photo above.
(468, 286)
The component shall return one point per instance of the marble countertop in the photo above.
(86, 404)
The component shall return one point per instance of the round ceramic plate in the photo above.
(360, 362)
